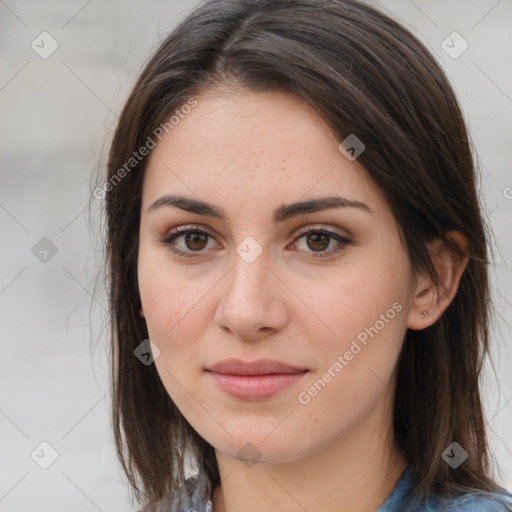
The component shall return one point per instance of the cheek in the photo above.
(173, 321)
(366, 314)
(158, 292)
(372, 287)
(175, 304)
(357, 300)
(172, 316)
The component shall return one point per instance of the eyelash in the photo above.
(184, 230)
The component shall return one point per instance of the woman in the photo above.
(294, 224)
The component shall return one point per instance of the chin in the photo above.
(259, 448)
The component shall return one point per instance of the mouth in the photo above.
(256, 380)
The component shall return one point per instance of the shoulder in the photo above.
(193, 496)
(474, 502)
(404, 499)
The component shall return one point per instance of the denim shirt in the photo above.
(196, 496)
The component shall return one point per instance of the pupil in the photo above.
(320, 241)
(195, 238)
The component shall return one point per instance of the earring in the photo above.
(424, 314)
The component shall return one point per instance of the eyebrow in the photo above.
(281, 214)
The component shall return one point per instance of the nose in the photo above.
(253, 300)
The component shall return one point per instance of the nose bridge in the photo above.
(250, 298)
(247, 284)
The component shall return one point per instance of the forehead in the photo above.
(263, 145)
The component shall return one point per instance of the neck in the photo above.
(354, 473)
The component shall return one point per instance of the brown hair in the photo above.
(364, 74)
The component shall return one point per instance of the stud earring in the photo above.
(424, 314)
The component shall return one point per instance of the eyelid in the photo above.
(321, 227)
(189, 227)
(185, 229)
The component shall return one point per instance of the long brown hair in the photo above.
(364, 74)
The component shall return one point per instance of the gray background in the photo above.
(58, 114)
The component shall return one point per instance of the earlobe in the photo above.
(141, 312)
(429, 302)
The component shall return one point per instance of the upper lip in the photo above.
(259, 367)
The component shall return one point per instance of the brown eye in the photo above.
(319, 240)
(196, 241)
(187, 240)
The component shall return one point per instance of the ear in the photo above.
(428, 302)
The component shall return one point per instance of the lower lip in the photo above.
(255, 387)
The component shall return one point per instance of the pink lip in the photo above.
(259, 367)
(257, 380)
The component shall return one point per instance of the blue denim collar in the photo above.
(398, 494)
(197, 495)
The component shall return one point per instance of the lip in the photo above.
(259, 367)
(255, 380)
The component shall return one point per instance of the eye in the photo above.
(318, 240)
(187, 240)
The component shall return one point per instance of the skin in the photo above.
(249, 154)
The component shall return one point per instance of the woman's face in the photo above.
(254, 285)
